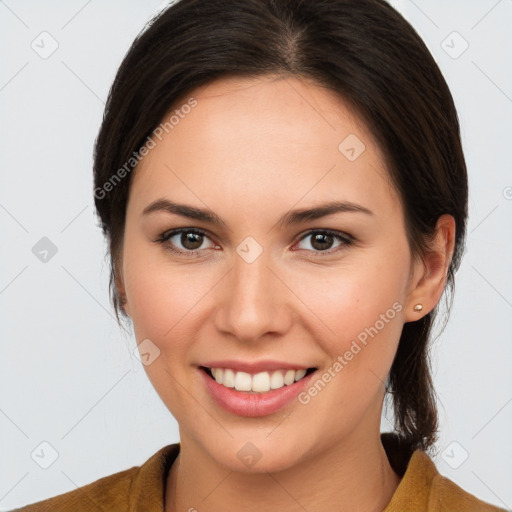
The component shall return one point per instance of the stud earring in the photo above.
(418, 307)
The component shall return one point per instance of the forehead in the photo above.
(280, 138)
(289, 108)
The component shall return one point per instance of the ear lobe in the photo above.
(429, 276)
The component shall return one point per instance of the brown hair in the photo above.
(372, 58)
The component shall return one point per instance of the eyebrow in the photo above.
(290, 218)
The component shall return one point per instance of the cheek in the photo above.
(348, 301)
(154, 294)
(367, 322)
(160, 302)
(166, 299)
(357, 313)
(164, 302)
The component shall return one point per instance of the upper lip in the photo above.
(254, 367)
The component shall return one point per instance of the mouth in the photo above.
(257, 394)
(261, 384)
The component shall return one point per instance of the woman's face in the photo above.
(257, 288)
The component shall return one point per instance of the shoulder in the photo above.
(139, 484)
(446, 496)
(112, 489)
(423, 489)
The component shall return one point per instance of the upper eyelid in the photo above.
(176, 231)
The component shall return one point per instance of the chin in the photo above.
(253, 457)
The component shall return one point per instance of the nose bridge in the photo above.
(252, 303)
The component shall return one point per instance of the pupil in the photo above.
(322, 237)
(191, 238)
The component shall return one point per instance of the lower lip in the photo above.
(243, 403)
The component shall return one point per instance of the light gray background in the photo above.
(67, 373)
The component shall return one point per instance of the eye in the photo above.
(191, 240)
(322, 241)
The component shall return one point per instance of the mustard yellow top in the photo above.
(142, 488)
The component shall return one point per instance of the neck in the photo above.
(354, 475)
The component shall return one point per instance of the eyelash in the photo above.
(347, 240)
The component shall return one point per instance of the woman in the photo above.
(284, 192)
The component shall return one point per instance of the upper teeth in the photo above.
(260, 382)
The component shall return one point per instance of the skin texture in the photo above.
(251, 150)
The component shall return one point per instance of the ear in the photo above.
(429, 274)
(121, 291)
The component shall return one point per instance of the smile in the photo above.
(249, 402)
(261, 382)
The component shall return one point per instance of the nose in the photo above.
(252, 301)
